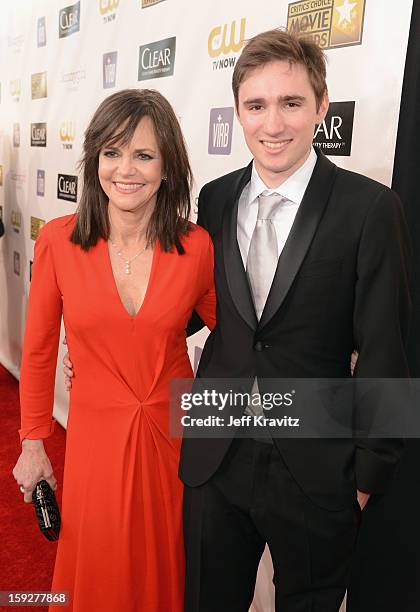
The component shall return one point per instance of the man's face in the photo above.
(277, 112)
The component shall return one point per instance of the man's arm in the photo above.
(381, 319)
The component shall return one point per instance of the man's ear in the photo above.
(323, 108)
(237, 114)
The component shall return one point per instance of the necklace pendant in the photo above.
(127, 268)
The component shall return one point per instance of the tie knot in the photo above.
(268, 205)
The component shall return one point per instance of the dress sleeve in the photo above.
(40, 348)
(206, 305)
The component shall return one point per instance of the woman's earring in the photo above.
(164, 178)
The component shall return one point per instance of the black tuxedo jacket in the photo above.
(341, 284)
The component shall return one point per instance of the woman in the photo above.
(126, 272)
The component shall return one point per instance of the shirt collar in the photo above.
(292, 189)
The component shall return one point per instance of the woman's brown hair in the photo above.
(115, 121)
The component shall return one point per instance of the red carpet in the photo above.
(26, 557)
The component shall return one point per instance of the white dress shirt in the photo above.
(292, 189)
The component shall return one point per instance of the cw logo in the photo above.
(15, 88)
(107, 6)
(220, 42)
(67, 131)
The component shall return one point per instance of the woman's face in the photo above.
(130, 174)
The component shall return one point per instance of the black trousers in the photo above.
(252, 500)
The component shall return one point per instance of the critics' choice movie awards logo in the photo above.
(67, 134)
(331, 23)
(225, 40)
(16, 263)
(67, 187)
(109, 69)
(38, 134)
(39, 85)
(333, 136)
(69, 20)
(16, 220)
(220, 131)
(15, 89)
(108, 9)
(36, 225)
(41, 32)
(40, 183)
(157, 59)
(146, 3)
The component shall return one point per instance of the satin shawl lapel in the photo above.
(303, 230)
(234, 269)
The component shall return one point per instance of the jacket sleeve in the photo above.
(381, 321)
(40, 348)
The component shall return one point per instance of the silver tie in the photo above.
(261, 266)
(263, 254)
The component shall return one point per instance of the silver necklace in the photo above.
(127, 262)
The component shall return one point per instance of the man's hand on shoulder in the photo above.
(68, 368)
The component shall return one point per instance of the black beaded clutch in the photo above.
(47, 511)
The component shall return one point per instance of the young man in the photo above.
(310, 262)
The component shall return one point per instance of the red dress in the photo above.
(121, 542)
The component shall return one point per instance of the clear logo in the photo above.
(67, 187)
(16, 263)
(69, 20)
(157, 59)
(38, 134)
(334, 135)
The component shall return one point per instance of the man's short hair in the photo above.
(280, 45)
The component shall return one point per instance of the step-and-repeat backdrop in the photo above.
(60, 59)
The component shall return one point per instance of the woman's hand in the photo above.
(32, 466)
(362, 498)
(353, 361)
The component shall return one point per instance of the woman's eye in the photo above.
(110, 153)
